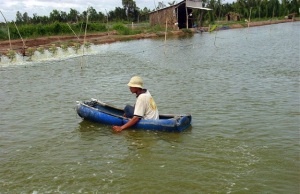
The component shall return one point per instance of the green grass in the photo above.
(40, 30)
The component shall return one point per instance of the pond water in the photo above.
(241, 87)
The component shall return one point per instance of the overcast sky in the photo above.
(9, 8)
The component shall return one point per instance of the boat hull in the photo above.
(100, 112)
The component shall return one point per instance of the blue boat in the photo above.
(100, 112)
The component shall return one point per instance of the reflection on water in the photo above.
(241, 87)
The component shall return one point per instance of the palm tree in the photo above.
(172, 3)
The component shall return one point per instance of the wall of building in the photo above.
(160, 17)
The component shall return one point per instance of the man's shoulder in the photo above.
(146, 94)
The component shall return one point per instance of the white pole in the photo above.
(7, 30)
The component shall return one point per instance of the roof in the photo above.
(196, 4)
(176, 5)
(190, 4)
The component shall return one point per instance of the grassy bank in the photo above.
(30, 31)
(64, 29)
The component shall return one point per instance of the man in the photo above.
(145, 106)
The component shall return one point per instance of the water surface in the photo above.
(241, 87)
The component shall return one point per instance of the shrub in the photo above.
(121, 29)
(156, 28)
(187, 31)
(3, 34)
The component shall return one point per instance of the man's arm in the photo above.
(130, 123)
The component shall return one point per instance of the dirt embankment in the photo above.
(21, 47)
(261, 23)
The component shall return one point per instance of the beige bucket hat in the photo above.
(136, 82)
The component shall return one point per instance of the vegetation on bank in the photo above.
(59, 28)
(28, 31)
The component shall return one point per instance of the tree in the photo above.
(119, 14)
(294, 6)
(93, 15)
(73, 15)
(35, 19)
(130, 7)
(144, 14)
(101, 17)
(212, 14)
(172, 3)
(19, 18)
(55, 16)
(26, 18)
(63, 16)
(161, 5)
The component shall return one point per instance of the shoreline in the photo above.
(105, 38)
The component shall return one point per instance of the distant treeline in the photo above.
(255, 9)
(56, 22)
(131, 13)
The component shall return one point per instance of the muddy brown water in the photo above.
(241, 87)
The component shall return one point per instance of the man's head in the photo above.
(136, 82)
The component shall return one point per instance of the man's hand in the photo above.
(130, 123)
(117, 128)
